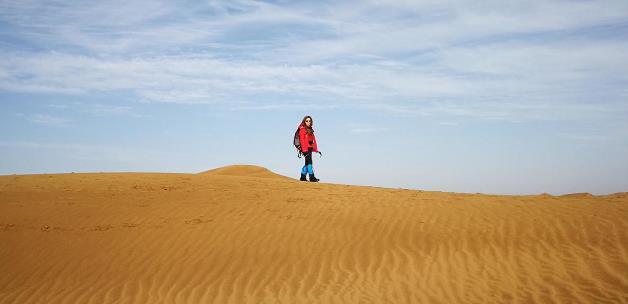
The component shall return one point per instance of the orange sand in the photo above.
(242, 234)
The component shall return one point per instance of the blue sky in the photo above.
(516, 97)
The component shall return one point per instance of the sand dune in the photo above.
(245, 171)
(243, 234)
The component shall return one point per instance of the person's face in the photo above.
(308, 122)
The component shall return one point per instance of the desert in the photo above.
(243, 234)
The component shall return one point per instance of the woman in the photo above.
(308, 145)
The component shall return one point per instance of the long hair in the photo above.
(309, 129)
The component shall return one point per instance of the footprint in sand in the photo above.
(101, 228)
(197, 221)
(7, 227)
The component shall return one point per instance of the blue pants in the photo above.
(307, 168)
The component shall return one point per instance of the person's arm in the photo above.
(314, 144)
(303, 139)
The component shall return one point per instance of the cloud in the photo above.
(98, 109)
(252, 106)
(367, 130)
(131, 157)
(585, 137)
(46, 119)
(364, 128)
(57, 106)
(488, 60)
(389, 28)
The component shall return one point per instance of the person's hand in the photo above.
(320, 153)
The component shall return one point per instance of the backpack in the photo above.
(297, 143)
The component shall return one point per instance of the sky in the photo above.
(498, 97)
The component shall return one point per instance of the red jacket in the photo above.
(306, 139)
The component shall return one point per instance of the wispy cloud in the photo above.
(98, 109)
(364, 128)
(367, 130)
(585, 137)
(57, 106)
(131, 156)
(46, 119)
(512, 61)
(251, 106)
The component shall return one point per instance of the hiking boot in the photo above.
(303, 179)
(313, 178)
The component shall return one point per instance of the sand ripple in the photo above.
(244, 235)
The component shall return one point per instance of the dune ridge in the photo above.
(244, 171)
(243, 234)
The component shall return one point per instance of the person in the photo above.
(308, 146)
